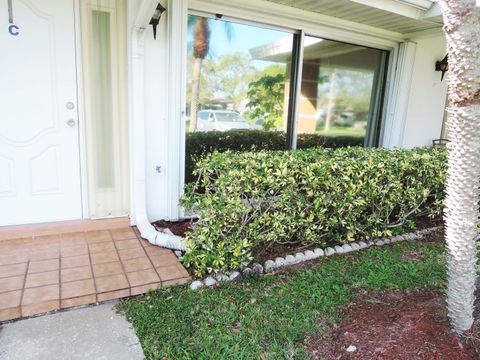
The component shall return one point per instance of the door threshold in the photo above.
(68, 226)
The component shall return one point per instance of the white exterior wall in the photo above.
(155, 111)
(427, 94)
(156, 121)
(164, 100)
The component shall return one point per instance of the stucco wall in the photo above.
(428, 94)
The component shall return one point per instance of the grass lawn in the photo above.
(268, 317)
(339, 130)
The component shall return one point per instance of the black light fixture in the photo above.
(156, 19)
(442, 66)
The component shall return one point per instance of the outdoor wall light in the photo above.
(442, 66)
(156, 19)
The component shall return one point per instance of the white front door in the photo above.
(39, 139)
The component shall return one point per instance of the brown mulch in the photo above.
(270, 251)
(176, 227)
(180, 228)
(399, 325)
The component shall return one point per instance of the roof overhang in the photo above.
(414, 9)
(403, 16)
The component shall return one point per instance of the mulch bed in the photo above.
(271, 251)
(395, 325)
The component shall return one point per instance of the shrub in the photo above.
(199, 144)
(319, 196)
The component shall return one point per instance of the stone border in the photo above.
(299, 257)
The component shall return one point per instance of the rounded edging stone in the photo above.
(210, 281)
(197, 284)
(329, 251)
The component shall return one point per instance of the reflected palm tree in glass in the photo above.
(201, 28)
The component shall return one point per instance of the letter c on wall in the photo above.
(13, 30)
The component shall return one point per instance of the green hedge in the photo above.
(198, 144)
(319, 196)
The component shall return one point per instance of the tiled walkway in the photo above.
(39, 274)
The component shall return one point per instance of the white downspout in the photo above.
(137, 129)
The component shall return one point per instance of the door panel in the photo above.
(104, 50)
(39, 145)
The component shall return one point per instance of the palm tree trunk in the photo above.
(461, 19)
(197, 67)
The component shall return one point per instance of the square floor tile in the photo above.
(164, 260)
(157, 250)
(169, 272)
(111, 283)
(76, 273)
(137, 264)
(184, 272)
(74, 250)
(126, 254)
(11, 283)
(172, 282)
(142, 277)
(40, 294)
(78, 301)
(10, 299)
(98, 236)
(44, 254)
(10, 314)
(100, 258)
(13, 258)
(12, 270)
(77, 288)
(110, 295)
(145, 243)
(43, 265)
(40, 308)
(142, 289)
(43, 278)
(123, 234)
(75, 238)
(127, 244)
(105, 269)
(103, 247)
(75, 261)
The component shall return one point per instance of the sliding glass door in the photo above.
(251, 87)
(237, 87)
(341, 91)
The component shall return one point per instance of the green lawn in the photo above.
(340, 130)
(268, 317)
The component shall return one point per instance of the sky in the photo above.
(244, 38)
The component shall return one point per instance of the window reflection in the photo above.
(338, 89)
(237, 98)
(230, 85)
(239, 88)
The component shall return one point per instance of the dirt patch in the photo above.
(176, 227)
(395, 325)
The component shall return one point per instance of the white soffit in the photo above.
(402, 16)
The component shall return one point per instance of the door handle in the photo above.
(71, 122)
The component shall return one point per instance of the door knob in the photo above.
(71, 122)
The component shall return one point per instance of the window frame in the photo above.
(374, 128)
